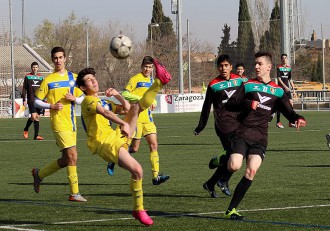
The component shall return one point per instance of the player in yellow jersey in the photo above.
(61, 92)
(111, 145)
(134, 91)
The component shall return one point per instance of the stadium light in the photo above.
(87, 42)
(151, 25)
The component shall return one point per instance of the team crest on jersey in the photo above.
(72, 83)
(235, 82)
(89, 106)
(272, 90)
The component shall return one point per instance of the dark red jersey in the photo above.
(284, 73)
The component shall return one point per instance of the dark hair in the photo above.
(223, 58)
(80, 78)
(240, 65)
(34, 64)
(264, 54)
(147, 60)
(284, 55)
(57, 49)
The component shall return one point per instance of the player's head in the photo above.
(58, 57)
(87, 81)
(284, 58)
(34, 68)
(240, 69)
(263, 64)
(147, 65)
(224, 66)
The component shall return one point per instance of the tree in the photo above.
(317, 70)
(245, 41)
(225, 47)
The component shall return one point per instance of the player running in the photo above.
(218, 92)
(257, 99)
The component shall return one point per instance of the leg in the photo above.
(126, 161)
(253, 163)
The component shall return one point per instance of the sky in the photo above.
(206, 18)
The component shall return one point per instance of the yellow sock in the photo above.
(150, 95)
(154, 159)
(49, 169)
(73, 179)
(137, 194)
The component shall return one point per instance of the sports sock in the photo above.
(154, 159)
(36, 129)
(226, 174)
(73, 179)
(28, 124)
(278, 117)
(215, 177)
(137, 194)
(150, 95)
(49, 169)
(240, 190)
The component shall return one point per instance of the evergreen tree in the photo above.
(225, 47)
(317, 70)
(245, 40)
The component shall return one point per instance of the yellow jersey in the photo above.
(138, 85)
(54, 88)
(96, 126)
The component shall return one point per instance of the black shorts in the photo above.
(226, 141)
(288, 94)
(241, 146)
(33, 109)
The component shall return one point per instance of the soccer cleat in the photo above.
(233, 215)
(36, 180)
(327, 136)
(160, 179)
(26, 134)
(214, 162)
(143, 217)
(211, 192)
(161, 73)
(291, 125)
(224, 187)
(39, 138)
(279, 125)
(77, 198)
(111, 168)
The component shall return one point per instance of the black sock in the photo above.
(240, 190)
(28, 124)
(215, 177)
(36, 129)
(226, 175)
(278, 116)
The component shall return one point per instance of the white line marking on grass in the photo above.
(15, 227)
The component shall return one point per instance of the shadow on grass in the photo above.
(50, 183)
(309, 166)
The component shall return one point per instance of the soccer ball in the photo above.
(120, 46)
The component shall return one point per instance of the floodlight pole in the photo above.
(181, 89)
(151, 25)
(12, 58)
(87, 42)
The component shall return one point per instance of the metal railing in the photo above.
(312, 100)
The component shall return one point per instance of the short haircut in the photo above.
(223, 58)
(267, 55)
(284, 55)
(147, 60)
(240, 65)
(80, 78)
(34, 64)
(57, 49)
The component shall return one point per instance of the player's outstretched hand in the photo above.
(300, 123)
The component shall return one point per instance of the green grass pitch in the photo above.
(290, 192)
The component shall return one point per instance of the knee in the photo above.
(137, 172)
(153, 146)
(250, 173)
(234, 166)
(133, 149)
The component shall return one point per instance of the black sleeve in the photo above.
(286, 109)
(24, 88)
(205, 110)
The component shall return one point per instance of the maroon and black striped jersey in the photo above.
(284, 73)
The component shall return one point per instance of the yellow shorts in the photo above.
(143, 129)
(109, 150)
(65, 139)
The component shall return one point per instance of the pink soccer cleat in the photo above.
(161, 72)
(143, 217)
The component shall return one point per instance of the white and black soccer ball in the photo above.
(121, 46)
